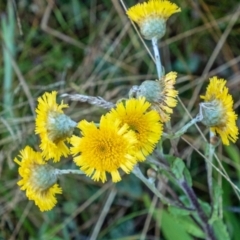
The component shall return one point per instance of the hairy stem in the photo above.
(202, 216)
(180, 132)
(68, 171)
(209, 160)
(137, 172)
(157, 58)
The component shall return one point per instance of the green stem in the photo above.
(68, 171)
(180, 132)
(157, 58)
(137, 172)
(209, 160)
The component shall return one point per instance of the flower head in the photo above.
(106, 148)
(161, 94)
(218, 111)
(152, 16)
(145, 123)
(38, 179)
(53, 127)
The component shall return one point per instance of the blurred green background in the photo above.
(90, 47)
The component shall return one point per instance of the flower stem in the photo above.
(157, 57)
(137, 172)
(180, 132)
(202, 216)
(211, 150)
(68, 171)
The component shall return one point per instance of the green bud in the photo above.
(43, 176)
(212, 113)
(59, 127)
(153, 28)
(151, 90)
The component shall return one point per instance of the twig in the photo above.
(103, 214)
(149, 217)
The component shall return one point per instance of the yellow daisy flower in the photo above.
(161, 94)
(53, 127)
(218, 111)
(38, 179)
(151, 16)
(106, 148)
(145, 123)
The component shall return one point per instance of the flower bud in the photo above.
(59, 126)
(43, 177)
(212, 113)
(153, 28)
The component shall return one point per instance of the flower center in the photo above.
(108, 153)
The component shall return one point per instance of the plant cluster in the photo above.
(131, 133)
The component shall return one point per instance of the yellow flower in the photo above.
(38, 179)
(218, 111)
(106, 148)
(145, 123)
(152, 16)
(53, 127)
(161, 94)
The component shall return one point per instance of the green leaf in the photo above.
(178, 220)
(167, 223)
(220, 230)
(182, 217)
(180, 171)
(178, 211)
(178, 168)
(169, 158)
(217, 194)
(190, 226)
(205, 206)
(187, 176)
(231, 218)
